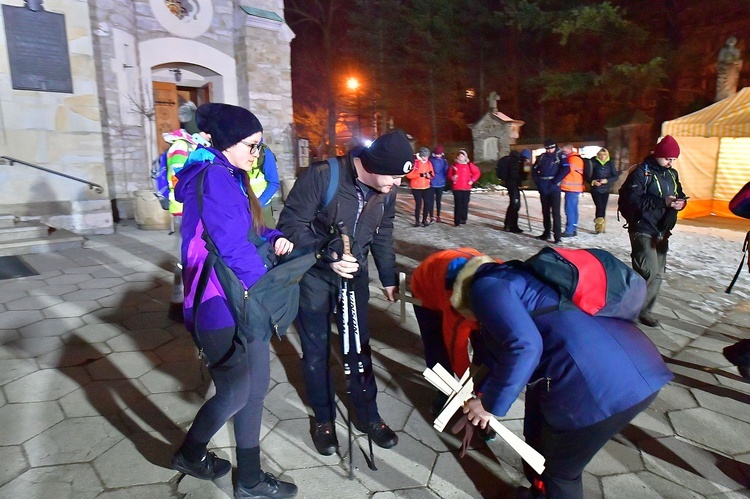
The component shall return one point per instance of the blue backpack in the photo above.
(160, 179)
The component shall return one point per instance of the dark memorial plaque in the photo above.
(37, 50)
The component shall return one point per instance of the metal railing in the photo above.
(10, 161)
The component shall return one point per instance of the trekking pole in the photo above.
(742, 262)
(344, 300)
(528, 218)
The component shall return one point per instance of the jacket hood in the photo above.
(197, 161)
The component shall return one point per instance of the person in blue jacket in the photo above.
(437, 183)
(548, 172)
(241, 375)
(585, 376)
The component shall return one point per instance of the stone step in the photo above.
(7, 221)
(23, 230)
(58, 239)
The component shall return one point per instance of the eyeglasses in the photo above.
(254, 148)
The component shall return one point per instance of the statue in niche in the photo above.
(492, 99)
(728, 69)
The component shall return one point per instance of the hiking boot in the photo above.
(380, 433)
(269, 487)
(324, 438)
(515, 230)
(569, 234)
(210, 467)
(543, 237)
(649, 320)
(739, 355)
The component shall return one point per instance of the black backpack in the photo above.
(504, 164)
(628, 211)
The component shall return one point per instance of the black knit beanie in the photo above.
(204, 115)
(390, 154)
(230, 124)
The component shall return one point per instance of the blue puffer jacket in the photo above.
(583, 368)
(440, 165)
(226, 213)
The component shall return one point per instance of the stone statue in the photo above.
(492, 99)
(728, 69)
(34, 5)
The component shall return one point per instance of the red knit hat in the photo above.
(667, 148)
(439, 149)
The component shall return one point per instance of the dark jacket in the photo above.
(595, 170)
(308, 226)
(549, 171)
(645, 191)
(516, 173)
(583, 368)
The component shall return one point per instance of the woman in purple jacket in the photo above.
(241, 375)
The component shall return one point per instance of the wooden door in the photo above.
(165, 109)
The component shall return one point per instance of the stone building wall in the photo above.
(56, 130)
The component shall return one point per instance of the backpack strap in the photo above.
(333, 184)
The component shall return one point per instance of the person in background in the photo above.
(550, 169)
(518, 165)
(464, 174)
(181, 142)
(364, 199)
(572, 186)
(419, 179)
(654, 194)
(264, 181)
(586, 377)
(601, 175)
(437, 183)
(241, 375)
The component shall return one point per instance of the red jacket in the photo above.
(464, 175)
(421, 174)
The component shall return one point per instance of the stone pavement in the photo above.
(98, 387)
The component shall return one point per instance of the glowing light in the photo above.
(352, 83)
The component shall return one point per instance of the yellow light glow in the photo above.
(352, 83)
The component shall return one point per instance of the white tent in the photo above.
(715, 154)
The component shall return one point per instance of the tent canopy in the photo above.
(714, 162)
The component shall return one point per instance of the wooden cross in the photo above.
(462, 390)
(404, 298)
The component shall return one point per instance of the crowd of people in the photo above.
(343, 210)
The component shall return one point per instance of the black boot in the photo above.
(269, 487)
(210, 467)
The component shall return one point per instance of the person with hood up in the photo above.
(652, 195)
(464, 174)
(419, 179)
(241, 375)
(437, 183)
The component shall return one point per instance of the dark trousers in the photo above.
(514, 204)
(437, 193)
(600, 202)
(567, 452)
(431, 329)
(649, 259)
(240, 389)
(460, 206)
(422, 196)
(314, 324)
(551, 208)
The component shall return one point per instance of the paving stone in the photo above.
(40, 386)
(73, 440)
(159, 303)
(73, 353)
(140, 459)
(139, 340)
(24, 421)
(29, 348)
(94, 333)
(157, 490)
(422, 430)
(173, 377)
(33, 302)
(284, 401)
(692, 424)
(162, 412)
(181, 348)
(615, 459)
(121, 365)
(134, 287)
(287, 368)
(147, 320)
(87, 294)
(643, 485)
(725, 401)
(694, 468)
(20, 318)
(399, 360)
(11, 369)
(13, 464)
(104, 398)
(74, 481)
(71, 309)
(76, 278)
(7, 295)
(122, 299)
(330, 482)
(51, 327)
(475, 475)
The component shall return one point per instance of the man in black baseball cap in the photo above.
(362, 181)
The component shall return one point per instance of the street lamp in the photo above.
(352, 84)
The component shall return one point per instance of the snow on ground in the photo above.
(704, 251)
